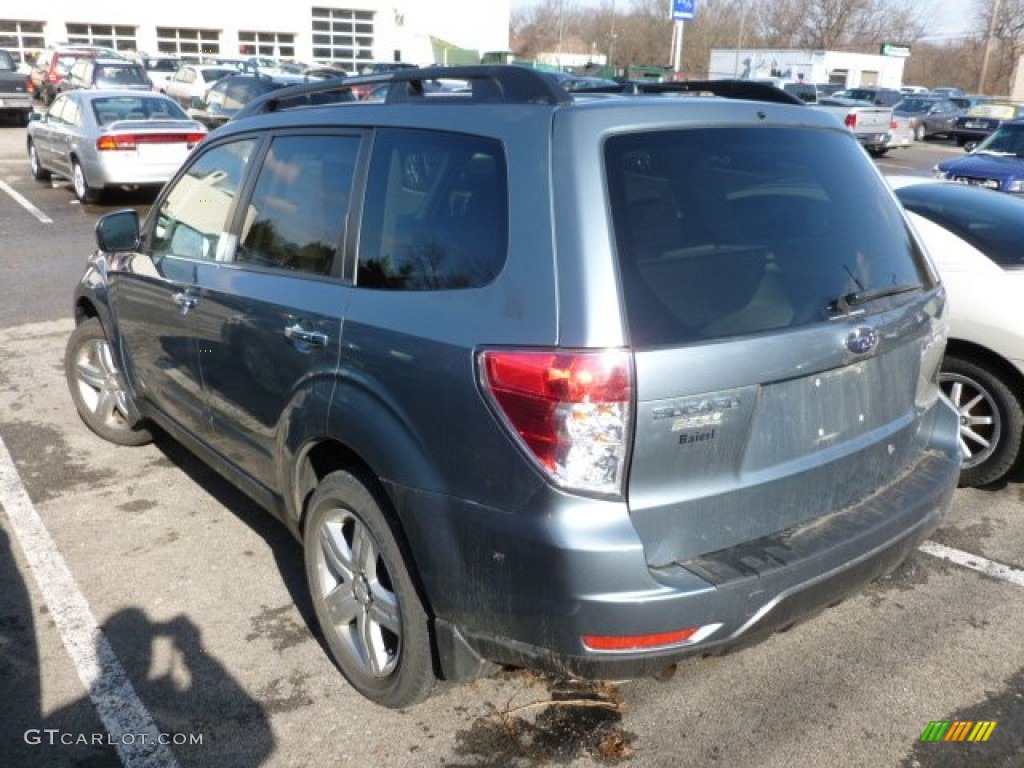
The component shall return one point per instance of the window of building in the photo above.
(436, 212)
(280, 45)
(191, 43)
(342, 37)
(21, 38)
(108, 35)
(298, 208)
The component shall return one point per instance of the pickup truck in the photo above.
(15, 100)
(870, 124)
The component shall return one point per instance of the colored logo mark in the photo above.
(958, 730)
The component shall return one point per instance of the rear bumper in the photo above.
(523, 590)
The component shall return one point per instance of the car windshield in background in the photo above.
(990, 221)
(731, 231)
(6, 62)
(916, 105)
(113, 108)
(213, 74)
(1007, 140)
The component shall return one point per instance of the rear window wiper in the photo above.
(848, 301)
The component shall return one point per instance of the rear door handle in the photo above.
(313, 338)
(185, 301)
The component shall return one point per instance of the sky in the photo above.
(946, 17)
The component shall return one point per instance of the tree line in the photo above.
(640, 32)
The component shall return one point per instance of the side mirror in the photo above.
(196, 103)
(118, 231)
(33, 115)
(970, 146)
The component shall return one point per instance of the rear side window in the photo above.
(436, 212)
(297, 213)
(730, 231)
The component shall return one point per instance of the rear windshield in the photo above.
(112, 76)
(730, 231)
(996, 111)
(992, 222)
(113, 108)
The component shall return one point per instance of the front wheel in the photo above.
(38, 172)
(97, 387)
(365, 599)
(991, 420)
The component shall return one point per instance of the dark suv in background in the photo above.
(53, 65)
(107, 74)
(588, 384)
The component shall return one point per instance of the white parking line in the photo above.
(24, 203)
(975, 563)
(125, 717)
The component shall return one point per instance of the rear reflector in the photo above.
(130, 141)
(687, 636)
(571, 411)
(637, 642)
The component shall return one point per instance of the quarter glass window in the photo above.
(436, 212)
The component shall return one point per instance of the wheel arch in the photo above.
(993, 361)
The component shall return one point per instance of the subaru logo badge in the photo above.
(862, 340)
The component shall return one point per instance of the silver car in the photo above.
(103, 139)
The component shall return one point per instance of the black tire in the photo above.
(878, 151)
(960, 141)
(919, 132)
(369, 610)
(991, 420)
(38, 172)
(85, 193)
(97, 387)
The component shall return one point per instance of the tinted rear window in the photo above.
(117, 76)
(992, 222)
(732, 231)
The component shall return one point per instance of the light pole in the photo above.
(988, 45)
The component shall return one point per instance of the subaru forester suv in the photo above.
(586, 384)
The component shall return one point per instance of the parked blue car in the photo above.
(996, 163)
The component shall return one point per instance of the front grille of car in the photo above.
(977, 181)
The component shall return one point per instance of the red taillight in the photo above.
(130, 141)
(851, 120)
(570, 409)
(894, 125)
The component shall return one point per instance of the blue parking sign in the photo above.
(682, 9)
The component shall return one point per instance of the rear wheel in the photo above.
(38, 172)
(97, 387)
(83, 191)
(991, 420)
(366, 602)
(919, 132)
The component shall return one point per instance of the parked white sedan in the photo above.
(976, 238)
